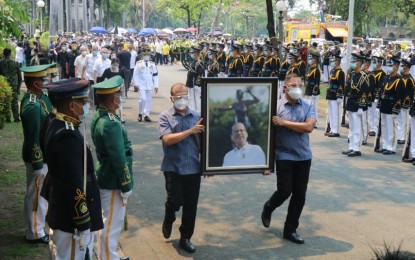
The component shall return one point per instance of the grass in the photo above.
(12, 191)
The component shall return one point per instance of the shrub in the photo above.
(5, 100)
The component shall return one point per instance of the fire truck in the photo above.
(306, 29)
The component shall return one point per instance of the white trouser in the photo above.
(145, 102)
(314, 100)
(364, 125)
(373, 117)
(113, 216)
(334, 115)
(35, 206)
(221, 75)
(195, 98)
(388, 132)
(326, 72)
(402, 124)
(412, 150)
(280, 88)
(66, 247)
(355, 129)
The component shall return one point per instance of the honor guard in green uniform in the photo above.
(33, 109)
(114, 166)
(235, 69)
(10, 70)
(71, 187)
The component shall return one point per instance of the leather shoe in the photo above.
(334, 135)
(401, 141)
(124, 258)
(372, 133)
(381, 150)
(364, 142)
(412, 160)
(294, 237)
(147, 119)
(186, 245)
(140, 117)
(354, 154)
(42, 240)
(167, 227)
(347, 152)
(327, 134)
(388, 152)
(266, 217)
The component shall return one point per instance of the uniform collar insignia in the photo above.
(70, 122)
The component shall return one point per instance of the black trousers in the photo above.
(182, 190)
(292, 180)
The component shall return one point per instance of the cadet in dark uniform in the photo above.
(301, 64)
(391, 95)
(10, 70)
(402, 122)
(213, 66)
(221, 60)
(334, 96)
(259, 61)
(292, 61)
(194, 79)
(285, 65)
(410, 83)
(235, 69)
(33, 110)
(74, 212)
(356, 105)
(373, 115)
(271, 64)
(248, 60)
(312, 82)
(114, 167)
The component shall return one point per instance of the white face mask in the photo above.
(295, 93)
(146, 58)
(181, 104)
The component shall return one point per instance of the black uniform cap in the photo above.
(406, 62)
(68, 89)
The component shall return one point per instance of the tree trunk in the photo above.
(108, 13)
(84, 16)
(198, 22)
(270, 23)
(60, 15)
(216, 18)
(53, 13)
(76, 16)
(188, 17)
(101, 15)
(91, 20)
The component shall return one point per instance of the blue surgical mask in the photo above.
(332, 64)
(400, 70)
(231, 54)
(210, 56)
(353, 65)
(289, 62)
(255, 52)
(309, 62)
(94, 53)
(192, 55)
(265, 53)
(372, 67)
(104, 55)
(86, 112)
(389, 70)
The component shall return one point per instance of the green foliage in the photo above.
(5, 100)
(12, 14)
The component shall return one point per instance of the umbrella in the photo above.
(192, 29)
(98, 30)
(147, 31)
(132, 30)
(180, 30)
(167, 30)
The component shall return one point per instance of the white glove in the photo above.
(394, 116)
(40, 172)
(82, 237)
(125, 196)
(360, 112)
(339, 100)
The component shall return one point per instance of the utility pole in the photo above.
(350, 33)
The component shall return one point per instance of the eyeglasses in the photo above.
(175, 98)
(238, 131)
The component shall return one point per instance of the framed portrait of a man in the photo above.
(239, 136)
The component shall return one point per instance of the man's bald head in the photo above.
(178, 89)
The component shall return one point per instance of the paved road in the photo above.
(353, 204)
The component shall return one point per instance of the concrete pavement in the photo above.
(353, 204)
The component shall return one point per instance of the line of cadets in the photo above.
(375, 101)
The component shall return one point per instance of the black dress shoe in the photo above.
(147, 119)
(388, 152)
(401, 141)
(42, 240)
(167, 226)
(294, 237)
(354, 154)
(326, 134)
(409, 160)
(266, 217)
(124, 258)
(372, 133)
(381, 150)
(364, 142)
(140, 117)
(334, 135)
(347, 152)
(186, 245)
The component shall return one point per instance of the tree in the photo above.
(12, 14)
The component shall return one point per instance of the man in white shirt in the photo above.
(159, 50)
(101, 65)
(243, 154)
(145, 77)
(132, 61)
(79, 62)
(19, 53)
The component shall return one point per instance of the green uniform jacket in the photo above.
(114, 153)
(32, 111)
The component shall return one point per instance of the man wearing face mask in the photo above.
(292, 61)
(74, 211)
(356, 105)
(334, 96)
(235, 68)
(146, 79)
(300, 63)
(271, 64)
(284, 67)
(114, 167)
(213, 66)
(402, 122)
(101, 65)
(370, 96)
(373, 113)
(391, 96)
(79, 63)
(248, 60)
(33, 110)
(180, 130)
(312, 80)
(221, 60)
(409, 157)
(194, 78)
(259, 61)
(294, 122)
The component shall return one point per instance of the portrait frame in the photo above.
(226, 103)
